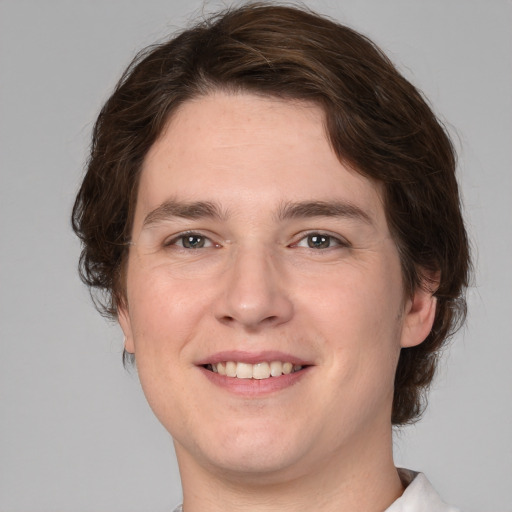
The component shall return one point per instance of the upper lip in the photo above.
(241, 356)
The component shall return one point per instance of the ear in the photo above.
(420, 311)
(123, 317)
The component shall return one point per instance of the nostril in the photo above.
(252, 306)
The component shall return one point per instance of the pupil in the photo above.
(193, 242)
(318, 241)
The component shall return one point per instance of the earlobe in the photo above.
(419, 316)
(123, 317)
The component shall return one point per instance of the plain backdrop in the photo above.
(75, 431)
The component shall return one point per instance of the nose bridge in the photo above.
(254, 293)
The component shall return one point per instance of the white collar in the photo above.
(419, 495)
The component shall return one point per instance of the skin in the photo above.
(254, 284)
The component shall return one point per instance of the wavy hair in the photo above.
(378, 123)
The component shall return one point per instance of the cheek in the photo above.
(164, 318)
(357, 297)
(164, 311)
(357, 313)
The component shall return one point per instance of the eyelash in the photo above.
(174, 241)
(338, 242)
(333, 241)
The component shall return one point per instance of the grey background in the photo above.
(75, 431)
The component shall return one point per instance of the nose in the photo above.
(254, 294)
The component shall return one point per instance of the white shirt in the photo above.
(419, 495)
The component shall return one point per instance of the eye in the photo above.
(320, 241)
(190, 241)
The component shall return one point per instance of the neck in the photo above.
(361, 479)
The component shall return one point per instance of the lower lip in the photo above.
(254, 387)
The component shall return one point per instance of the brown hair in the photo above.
(377, 122)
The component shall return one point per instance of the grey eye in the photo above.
(319, 241)
(193, 241)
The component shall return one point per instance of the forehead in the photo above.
(244, 151)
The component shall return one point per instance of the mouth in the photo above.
(259, 371)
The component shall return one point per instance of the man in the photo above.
(272, 211)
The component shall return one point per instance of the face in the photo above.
(265, 300)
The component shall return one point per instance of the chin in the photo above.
(261, 453)
(261, 467)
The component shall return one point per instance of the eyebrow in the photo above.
(186, 210)
(305, 209)
(289, 210)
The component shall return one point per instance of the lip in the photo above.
(241, 356)
(253, 388)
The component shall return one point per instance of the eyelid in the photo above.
(340, 241)
(171, 240)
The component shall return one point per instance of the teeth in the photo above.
(276, 368)
(244, 371)
(221, 368)
(261, 371)
(257, 371)
(287, 368)
(230, 369)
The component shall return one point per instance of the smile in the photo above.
(259, 371)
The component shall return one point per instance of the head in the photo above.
(377, 124)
